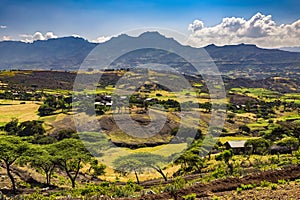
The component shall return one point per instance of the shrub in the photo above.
(248, 186)
(282, 182)
(122, 191)
(64, 134)
(230, 121)
(12, 127)
(91, 189)
(36, 195)
(178, 184)
(219, 173)
(104, 184)
(273, 186)
(239, 190)
(264, 183)
(245, 187)
(190, 196)
(45, 110)
(273, 160)
(127, 190)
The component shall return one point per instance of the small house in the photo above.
(154, 100)
(275, 149)
(237, 147)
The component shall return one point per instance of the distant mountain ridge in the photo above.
(291, 49)
(68, 53)
(58, 54)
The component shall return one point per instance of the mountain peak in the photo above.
(151, 34)
(241, 45)
(211, 46)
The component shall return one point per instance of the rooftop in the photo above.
(236, 144)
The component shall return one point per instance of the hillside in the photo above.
(60, 54)
(68, 53)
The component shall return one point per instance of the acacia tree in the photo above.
(192, 159)
(123, 165)
(138, 162)
(40, 159)
(11, 150)
(70, 156)
(155, 162)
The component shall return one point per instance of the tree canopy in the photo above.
(70, 155)
(11, 149)
(138, 162)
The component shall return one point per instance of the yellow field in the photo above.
(235, 138)
(163, 150)
(23, 112)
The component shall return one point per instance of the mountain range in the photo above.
(68, 53)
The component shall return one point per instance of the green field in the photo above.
(234, 138)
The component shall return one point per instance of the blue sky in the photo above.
(92, 19)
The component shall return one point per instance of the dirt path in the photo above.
(228, 184)
(282, 192)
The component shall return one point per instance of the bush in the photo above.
(29, 128)
(127, 190)
(36, 195)
(282, 182)
(67, 133)
(245, 187)
(43, 139)
(239, 190)
(45, 110)
(230, 121)
(220, 172)
(248, 186)
(273, 186)
(178, 184)
(190, 196)
(264, 183)
(12, 127)
(91, 189)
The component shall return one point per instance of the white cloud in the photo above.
(3, 27)
(6, 38)
(49, 35)
(259, 29)
(102, 39)
(37, 36)
(196, 25)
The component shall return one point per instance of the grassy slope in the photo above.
(13, 109)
